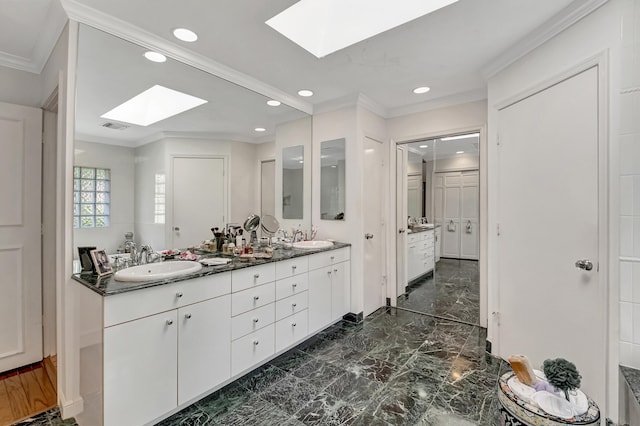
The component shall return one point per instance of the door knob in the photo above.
(585, 264)
(401, 231)
(368, 236)
(176, 228)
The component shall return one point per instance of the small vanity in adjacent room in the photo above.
(150, 348)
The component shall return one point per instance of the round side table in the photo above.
(516, 412)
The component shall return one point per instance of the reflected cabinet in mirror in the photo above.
(332, 179)
(292, 182)
(170, 178)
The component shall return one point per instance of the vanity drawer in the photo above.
(252, 276)
(252, 298)
(127, 306)
(320, 260)
(414, 238)
(253, 320)
(291, 330)
(290, 286)
(291, 267)
(251, 349)
(291, 305)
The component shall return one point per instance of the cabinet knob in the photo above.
(294, 305)
(256, 342)
(294, 267)
(332, 257)
(255, 320)
(187, 316)
(329, 272)
(335, 270)
(294, 285)
(179, 294)
(169, 321)
(293, 324)
(256, 297)
(256, 276)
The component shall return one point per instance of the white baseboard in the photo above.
(70, 408)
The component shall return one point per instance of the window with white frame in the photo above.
(91, 197)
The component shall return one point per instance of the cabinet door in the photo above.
(340, 290)
(140, 369)
(204, 346)
(320, 298)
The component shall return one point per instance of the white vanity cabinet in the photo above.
(158, 346)
(420, 254)
(329, 288)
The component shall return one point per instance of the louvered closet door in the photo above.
(470, 209)
(451, 215)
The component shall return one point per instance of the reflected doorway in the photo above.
(438, 185)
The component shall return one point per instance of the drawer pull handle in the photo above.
(256, 276)
(332, 257)
(256, 342)
(187, 316)
(294, 305)
(255, 320)
(335, 270)
(179, 294)
(256, 297)
(293, 324)
(294, 267)
(169, 322)
(294, 285)
(329, 272)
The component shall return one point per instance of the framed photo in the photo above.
(84, 254)
(101, 262)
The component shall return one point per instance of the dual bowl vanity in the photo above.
(150, 348)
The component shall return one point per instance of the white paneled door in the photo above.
(548, 199)
(20, 224)
(199, 199)
(401, 220)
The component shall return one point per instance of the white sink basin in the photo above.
(157, 271)
(312, 244)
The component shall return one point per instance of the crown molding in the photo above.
(366, 102)
(352, 100)
(446, 101)
(127, 31)
(564, 19)
(46, 42)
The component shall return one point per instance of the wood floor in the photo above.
(27, 391)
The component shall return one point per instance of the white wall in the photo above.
(457, 163)
(121, 162)
(630, 188)
(20, 87)
(594, 34)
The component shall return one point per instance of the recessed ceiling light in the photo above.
(153, 105)
(305, 93)
(155, 56)
(421, 90)
(424, 146)
(185, 35)
(301, 161)
(323, 27)
(260, 129)
(273, 102)
(459, 152)
(453, 138)
(334, 166)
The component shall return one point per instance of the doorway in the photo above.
(438, 181)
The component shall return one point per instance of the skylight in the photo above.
(153, 105)
(325, 26)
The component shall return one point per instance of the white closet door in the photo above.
(470, 209)
(451, 219)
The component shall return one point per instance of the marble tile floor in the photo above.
(48, 418)
(452, 291)
(395, 368)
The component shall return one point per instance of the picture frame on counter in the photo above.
(101, 262)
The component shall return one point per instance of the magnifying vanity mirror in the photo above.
(170, 181)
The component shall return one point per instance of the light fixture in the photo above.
(185, 35)
(153, 105)
(421, 90)
(155, 56)
(424, 146)
(273, 102)
(301, 161)
(260, 129)
(305, 93)
(323, 27)
(459, 152)
(453, 138)
(334, 166)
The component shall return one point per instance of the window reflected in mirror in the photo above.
(332, 179)
(293, 182)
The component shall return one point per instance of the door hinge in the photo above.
(496, 317)
(498, 229)
(498, 139)
(42, 229)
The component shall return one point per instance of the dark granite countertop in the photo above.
(632, 376)
(107, 286)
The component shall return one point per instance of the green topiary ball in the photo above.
(562, 375)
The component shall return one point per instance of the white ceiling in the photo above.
(446, 50)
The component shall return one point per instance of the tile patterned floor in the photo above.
(453, 292)
(396, 368)
(48, 418)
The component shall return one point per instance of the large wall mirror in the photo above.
(292, 182)
(332, 180)
(169, 181)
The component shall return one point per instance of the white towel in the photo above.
(215, 261)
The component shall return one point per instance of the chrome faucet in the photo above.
(147, 255)
(295, 236)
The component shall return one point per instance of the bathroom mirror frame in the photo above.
(239, 108)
